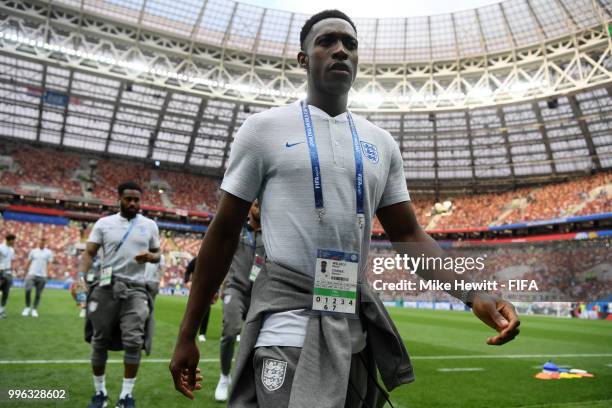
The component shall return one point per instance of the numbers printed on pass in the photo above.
(334, 304)
(37, 394)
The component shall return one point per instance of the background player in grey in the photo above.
(7, 253)
(128, 241)
(154, 272)
(38, 268)
(236, 294)
(270, 161)
(187, 281)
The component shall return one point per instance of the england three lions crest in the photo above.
(370, 151)
(273, 374)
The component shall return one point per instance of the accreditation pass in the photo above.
(335, 288)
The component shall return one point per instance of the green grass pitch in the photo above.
(500, 376)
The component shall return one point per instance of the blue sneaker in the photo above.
(127, 402)
(99, 400)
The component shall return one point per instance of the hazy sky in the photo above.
(375, 8)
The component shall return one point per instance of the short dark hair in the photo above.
(10, 237)
(128, 185)
(322, 15)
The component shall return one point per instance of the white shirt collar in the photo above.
(122, 218)
(314, 111)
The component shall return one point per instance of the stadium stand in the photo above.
(42, 170)
(50, 172)
(559, 200)
(475, 210)
(583, 196)
(190, 191)
(111, 173)
(53, 173)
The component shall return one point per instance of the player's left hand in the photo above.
(498, 314)
(143, 257)
(185, 381)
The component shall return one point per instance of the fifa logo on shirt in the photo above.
(370, 151)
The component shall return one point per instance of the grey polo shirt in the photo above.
(39, 262)
(109, 231)
(270, 160)
(7, 254)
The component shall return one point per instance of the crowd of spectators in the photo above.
(478, 210)
(53, 169)
(603, 203)
(523, 204)
(48, 169)
(558, 200)
(44, 168)
(190, 191)
(110, 173)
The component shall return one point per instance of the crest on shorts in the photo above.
(273, 373)
(370, 151)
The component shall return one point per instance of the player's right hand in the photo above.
(184, 367)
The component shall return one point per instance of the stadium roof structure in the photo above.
(508, 93)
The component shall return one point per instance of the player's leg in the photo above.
(204, 326)
(29, 284)
(103, 311)
(6, 281)
(39, 286)
(133, 317)
(233, 307)
(274, 369)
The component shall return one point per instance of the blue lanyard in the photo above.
(252, 238)
(316, 169)
(127, 234)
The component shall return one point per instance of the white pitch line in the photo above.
(451, 370)
(212, 360)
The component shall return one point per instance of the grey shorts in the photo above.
(6, 279)
(235, 308)
(105, 312)
(37, 282)
(274, 369)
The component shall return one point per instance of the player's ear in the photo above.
(302, 58)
